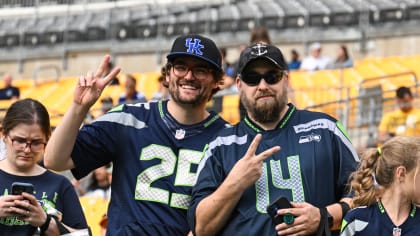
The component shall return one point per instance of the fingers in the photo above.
(299, 208)
(112, 75)
(82, 81)
(267, 153)
(253, 146)
(31, 198)
(102, 67)
(262, 156)
(22, 204)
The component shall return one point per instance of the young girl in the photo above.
(385, 191)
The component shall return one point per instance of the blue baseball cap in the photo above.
(197, 46)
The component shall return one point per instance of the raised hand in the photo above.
(249, 168)
(89, 88)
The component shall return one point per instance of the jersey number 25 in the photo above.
(169, 165)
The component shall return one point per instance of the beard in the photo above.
(266, 111)
(177, 96)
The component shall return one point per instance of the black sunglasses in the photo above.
(253, 79)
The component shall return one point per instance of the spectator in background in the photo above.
(109, 67)
(131, 95)
(228, 86)
(342, 60)
(26, 130)
(315, 60)
(386, 188)
(106, 104)
(295, 61)
(100, 182)
(9, 91)
(243, 169)
(163, 92)
(403, 121)
(260, 34)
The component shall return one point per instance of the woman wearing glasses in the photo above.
(26, 129)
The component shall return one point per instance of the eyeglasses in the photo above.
(253, 79)
(22, 143)
(198, 72)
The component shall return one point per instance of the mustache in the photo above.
(263, 94)
(189, 82)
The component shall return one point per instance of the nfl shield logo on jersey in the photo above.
(180, 134)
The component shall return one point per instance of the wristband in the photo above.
(45, 226)
(344, 208)
(60, 226)
(323, 227)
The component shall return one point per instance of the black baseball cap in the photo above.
(262, 51)
(197, 46)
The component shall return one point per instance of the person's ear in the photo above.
(167, 76)
(400, 173)
(287, 79)
(238, 83)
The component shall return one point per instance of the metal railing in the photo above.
(361, 114)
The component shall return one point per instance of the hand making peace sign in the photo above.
(249, 168)
(89, 88)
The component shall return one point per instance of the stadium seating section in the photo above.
(310, 89)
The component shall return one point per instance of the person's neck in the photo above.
(8, 167)
(397, 206)
(187, 114)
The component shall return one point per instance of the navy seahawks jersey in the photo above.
(313, 165)
(374, 220)
(155, 160)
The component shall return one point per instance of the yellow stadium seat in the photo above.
(94, 208)
(147, 83)
(230, 108)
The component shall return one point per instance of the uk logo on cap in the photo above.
(194, 46)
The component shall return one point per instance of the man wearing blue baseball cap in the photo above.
(154, 147)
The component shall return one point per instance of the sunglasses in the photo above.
(253, 79)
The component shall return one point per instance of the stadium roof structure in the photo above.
(136, 26)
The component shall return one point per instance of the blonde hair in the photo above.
(377, 167)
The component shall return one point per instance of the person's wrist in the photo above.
(45, 225)
(326, 220)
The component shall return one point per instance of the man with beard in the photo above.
(155, 147)
(277, 150)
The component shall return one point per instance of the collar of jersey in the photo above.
(281, 124)
(162, 111)
(382, 208)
